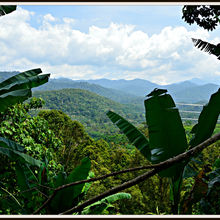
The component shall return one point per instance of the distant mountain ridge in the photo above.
(132, 91)
(186, 91)
(113, 94)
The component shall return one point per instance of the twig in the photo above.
(90, 180)
(157, 168)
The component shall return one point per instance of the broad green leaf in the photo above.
(117, 196)
(136, 137)
(24, 177)
(25, 80)
(175, 187)
(207, 120)
(167, 137)
(13, 97)
(166, 132)
(7, 147)
(88, 185)
(67, 198)
(4, 142)
(6, 9)
(18, 88)
(59, 180)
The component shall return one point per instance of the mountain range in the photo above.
(132, 91)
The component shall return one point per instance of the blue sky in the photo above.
(110, 41)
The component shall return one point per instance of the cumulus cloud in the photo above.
(116, 51)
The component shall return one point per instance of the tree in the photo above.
(206, 16)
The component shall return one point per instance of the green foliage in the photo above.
(70, 133)
(210, 203)
(166, 132)
(89, 109)
(14, 152)
(105, 206)
(31, 132)
(69, 197)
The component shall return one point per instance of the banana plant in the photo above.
(18, 88)
(71, 196)
(6, 9)
(167, 136)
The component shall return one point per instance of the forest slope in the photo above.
(89, 108)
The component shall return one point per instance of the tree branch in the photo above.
(89, 180)
(157, 168)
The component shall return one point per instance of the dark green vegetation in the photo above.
(43, 156)
(89, 109)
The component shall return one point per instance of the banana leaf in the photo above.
(11, 98)
(24, 177)
(207, 120)
(136, 137)
(18, 88)
(10, 149)
(6, 9)
(68, 197)
(166, 132)
(167, 138)
(25, 80)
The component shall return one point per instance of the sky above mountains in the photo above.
(150, 42)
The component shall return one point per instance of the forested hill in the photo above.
(90, 109)
(113, 94)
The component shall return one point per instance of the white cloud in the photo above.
(116, 51)
(49, 17)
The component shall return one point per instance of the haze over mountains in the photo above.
(132, 91)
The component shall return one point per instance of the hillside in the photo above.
(89, 108)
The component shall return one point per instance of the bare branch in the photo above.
(90, 180)
(157, 168)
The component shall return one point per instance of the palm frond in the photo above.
(207, 47)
